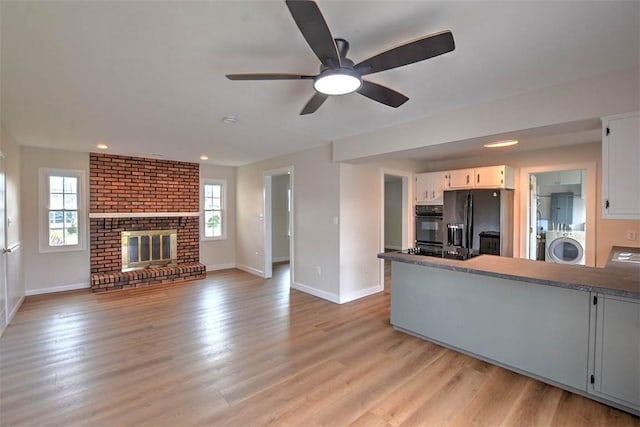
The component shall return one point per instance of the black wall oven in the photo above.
(429, 231)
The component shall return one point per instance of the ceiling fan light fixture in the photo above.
(498, 144)
(338, 81)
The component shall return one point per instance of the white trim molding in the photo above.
(250, 270)
(54, 289)
(360, 293)
(141, 214)
(316, 292)
(216, 267)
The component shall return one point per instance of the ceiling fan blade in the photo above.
(315, 31)
(382, 94)
(268, 76)
(314, 103)
(415, 51)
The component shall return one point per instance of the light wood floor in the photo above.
(236, 350)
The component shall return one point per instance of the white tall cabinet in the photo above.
(621, 166)
(430, 188)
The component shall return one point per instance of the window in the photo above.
(214, 210)
(62, 207)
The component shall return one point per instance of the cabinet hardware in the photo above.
(595, 300)
(6, 250)
(467, 178)
(606, 204)
(608, 130)
(592, 380)
(478, 179)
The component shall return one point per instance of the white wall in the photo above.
(221, 254)
(361, 198)
(393, 213)
(15, 283)
(591, 98)
(49, 272)
(279, 218)
(316, 202)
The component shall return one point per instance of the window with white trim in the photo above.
(63, 212)
(214, 215)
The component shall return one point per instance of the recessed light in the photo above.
(229, 120)
(499, 144)
(204, 157)
(102, 146)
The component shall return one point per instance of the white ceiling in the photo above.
(148, 77)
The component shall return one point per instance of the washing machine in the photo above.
(565, 247)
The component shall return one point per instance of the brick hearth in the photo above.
(122, 186)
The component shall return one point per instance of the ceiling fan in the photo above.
(339, 75)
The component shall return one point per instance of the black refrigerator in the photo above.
(478, 222)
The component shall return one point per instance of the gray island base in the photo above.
(582, 338)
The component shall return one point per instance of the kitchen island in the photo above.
(571, 326)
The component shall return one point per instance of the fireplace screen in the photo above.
(148, 249)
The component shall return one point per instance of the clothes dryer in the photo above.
(565, 247)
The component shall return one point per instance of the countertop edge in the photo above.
(456, 265)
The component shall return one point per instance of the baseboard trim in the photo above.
(251, 270)
(15, 309)
(316, 292)
(360, 294)
(216, 267)
(53, 289)
(280, 259)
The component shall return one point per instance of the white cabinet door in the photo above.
(421, 189)
(438, 182)
(616, 362)
(430, 188)
(621, 166)
(493, 177)
(460, 179)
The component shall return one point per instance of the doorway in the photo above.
(560, 204)
(4, 297)
(278, 219)
(395, 217)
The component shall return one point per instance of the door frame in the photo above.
(268, 221)
(4, 277)
(407, 213)
(590, 206)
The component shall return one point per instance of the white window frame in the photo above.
(43, 208)
(223, 184)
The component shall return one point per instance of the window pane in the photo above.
(70, 201)
(56, 201)
(56, 184)
(71, 219)
(217, 204)
(217, 224)
(208, 224)
(71, 236)
(166, 246)
(216, 190)
(56, 237)
(55, 219)
(208, 190)
(208, 203)
(70, 184)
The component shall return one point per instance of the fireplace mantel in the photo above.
(142, 214)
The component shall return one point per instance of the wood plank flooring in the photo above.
(236, 350)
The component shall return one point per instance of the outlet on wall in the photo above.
(632, 235)
(319, 271)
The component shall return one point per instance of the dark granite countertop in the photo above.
(623, 282)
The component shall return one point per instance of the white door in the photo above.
(533, 223)
(4, 311)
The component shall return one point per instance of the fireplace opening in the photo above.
(149, 249)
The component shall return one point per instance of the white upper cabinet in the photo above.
(430, 187)
(621, 166)
(486, 177)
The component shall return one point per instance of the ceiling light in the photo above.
(204, 157)
(102, 146)
(229, 120)
(498, 144)
(338, 81)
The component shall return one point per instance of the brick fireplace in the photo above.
(135, 194)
